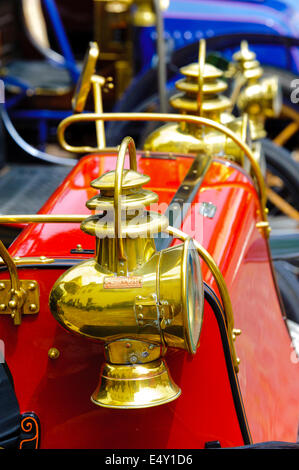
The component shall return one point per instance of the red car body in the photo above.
(257, 404)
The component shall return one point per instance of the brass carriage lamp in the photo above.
(134, 299)
(201, 92)
(259, 97)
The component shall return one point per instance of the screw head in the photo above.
(133, 359)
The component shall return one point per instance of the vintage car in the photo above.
(139, 308)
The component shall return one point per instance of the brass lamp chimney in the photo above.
(259, 97)
(201, 93)
(135, 300)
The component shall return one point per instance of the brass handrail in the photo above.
(158, 117)
(126, 145)
(42, 218)
(221, 284)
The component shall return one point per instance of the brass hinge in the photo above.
(23, 301)
(17, 296)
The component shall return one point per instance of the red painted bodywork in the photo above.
(59, 391)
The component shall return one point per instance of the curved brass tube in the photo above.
(126, 145)
(41, 218)
(167, 118)
(17, 293)
(221, 284)
(12, 269)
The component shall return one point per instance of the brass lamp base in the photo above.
(135, 386)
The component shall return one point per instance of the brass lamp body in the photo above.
(259, 97)
(135, 300)
(200, 93)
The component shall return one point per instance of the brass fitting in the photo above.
(135, 300)
(259, 97)
(201, 93)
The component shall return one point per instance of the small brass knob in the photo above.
(53, 353)
(12, 304)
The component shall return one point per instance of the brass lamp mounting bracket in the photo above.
(17, 297)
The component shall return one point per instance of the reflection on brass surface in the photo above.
(144, 13)
(17, 296)
(25, 260)
(196, 120)
(200, 94)
(53, 353)
(84, 82)
(154, 299)
(259, 98)
(24, 301)
(113, 32)
(208, 259)
(136, 386)
(41, 218)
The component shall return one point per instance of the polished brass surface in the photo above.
(259, 97)
(200, 94)
(87, 80)
(27, 260)
(53, 353)
(113, 32)
(144, 14)
(136, 300)
(195, 120)
(221, 284)
(201, 90)
(41, 218)
(84, 82)
(132, 351)
(17, 296)
(24, 301)
(135, 386)
(110, 230)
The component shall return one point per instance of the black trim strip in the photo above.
(215, 304)
(186, 192)
(56, 264)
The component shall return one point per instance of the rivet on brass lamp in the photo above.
(134, 299)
